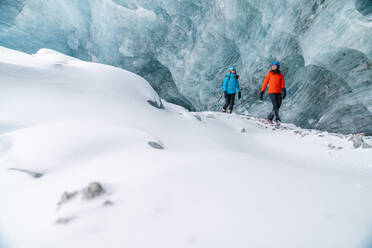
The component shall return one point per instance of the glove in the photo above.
(225, 94)
(261, 95)
(237, 76)
(284, 93)
(239, 95)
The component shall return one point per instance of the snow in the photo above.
(213, 185)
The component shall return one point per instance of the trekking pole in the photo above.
(219, 99)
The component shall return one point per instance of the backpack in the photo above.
(228, 78)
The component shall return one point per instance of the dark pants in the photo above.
(276, 100)
(230, 101)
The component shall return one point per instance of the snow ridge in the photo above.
(117, 171)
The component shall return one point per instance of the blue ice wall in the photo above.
(183, 48)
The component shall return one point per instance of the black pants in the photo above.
(230, 101)
(276, 99)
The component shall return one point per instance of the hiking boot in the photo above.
(224, 110)
(230, 111)
(269, 121)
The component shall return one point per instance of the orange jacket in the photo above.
(276, 82)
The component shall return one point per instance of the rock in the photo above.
(31, 173)
(198, 117)
(366, 146)
(66, 196)
(155, 145)
(357, 141)
(243, 130)
(93, 190)
(156, 104)
(331, 146)
(108, 203)
(64, 221)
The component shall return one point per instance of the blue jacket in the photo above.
(232, 86)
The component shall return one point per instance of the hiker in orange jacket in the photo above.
(277, 91)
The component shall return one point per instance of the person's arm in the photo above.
(238, 85)
(238, 89)
(284, 91)
(224, 86)
(267, 79)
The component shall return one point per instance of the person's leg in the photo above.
(227, 102)
(232, 101)
(273, 101)
(279, 103)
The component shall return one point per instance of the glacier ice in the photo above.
(364, 6)
(183, 49)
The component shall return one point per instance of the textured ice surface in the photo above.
(183, 49)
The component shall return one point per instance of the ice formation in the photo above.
(183, 49)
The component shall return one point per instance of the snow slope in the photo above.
(219, 181)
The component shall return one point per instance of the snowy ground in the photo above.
(218, 180)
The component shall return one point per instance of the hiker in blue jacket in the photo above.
(230, 87)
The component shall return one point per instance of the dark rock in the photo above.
(156, 104)
(155, 145)
(108, 203)
(64, 221)
(93, 190)
(331, 146)
(66, 196)
(31, 173)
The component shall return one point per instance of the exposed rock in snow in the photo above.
(31, 173)
(156, 104)
(108, 203)
(155, 145)
(93, 190)
(65, 220)
(66, 196)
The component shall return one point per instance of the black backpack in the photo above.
(228, 78)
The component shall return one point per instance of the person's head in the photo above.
(275, 66)
(233, 69)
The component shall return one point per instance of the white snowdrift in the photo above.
(211, 186)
